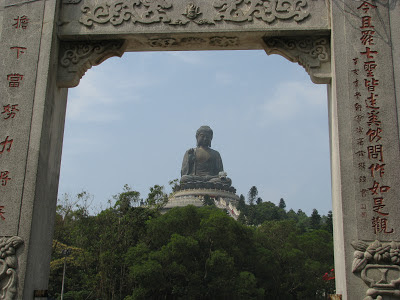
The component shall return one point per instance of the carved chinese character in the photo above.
(362, 179)
(5, 143)
(359, 118)
(2, 212)
(359, 130)
(373, 118)
(357, 95)
(371, 84)
(20, 50)
(355, 71)
(378, 205)
(368, 52)
(4, 178)
(14, 79)
(358, 107)
(363, 214)
(375, 152)
(355, 82)
(374, 134)
(367, 37)
(10, 111)
(366, 22)
(366, 5)
(21, 22)
(377, 188)
(364, 192)
(369, 67)
(371, 101)
(355, 60)
(360, 153)
(380, 225)
(361, 166)
(360, 141)
(379, 168)
(363, 206)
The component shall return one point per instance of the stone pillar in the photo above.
(32, 112)
(365, 148)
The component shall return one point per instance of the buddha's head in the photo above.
(204, 136)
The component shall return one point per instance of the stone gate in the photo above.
(353, 46)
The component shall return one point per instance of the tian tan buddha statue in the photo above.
(202, 166)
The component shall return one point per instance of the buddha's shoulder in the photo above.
(213, 152)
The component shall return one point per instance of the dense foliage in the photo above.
(128, 251)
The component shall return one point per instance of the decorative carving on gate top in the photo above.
(117, 12)
(313, 53)
(215, 41)
(192, 13)
(77, 57)
(71, 1)
(265, 10)
(8, 266)
(379, 266)
(162, 11)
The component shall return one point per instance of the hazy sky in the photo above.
(131, 119)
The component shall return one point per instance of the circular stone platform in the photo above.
(196, 196)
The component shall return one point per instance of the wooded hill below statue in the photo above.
(128, 251)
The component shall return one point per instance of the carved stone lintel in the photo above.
(313, 53)
(77, 57)
(71, 1)
(215, 41)
(118, 12)
(224, 41)
(163, 11)
(8, 266)
(267, 11)
(379, 266)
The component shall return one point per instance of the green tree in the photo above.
(127, 199)
(303, 221)
(241, 204)
(156, 198)
(291, 215)
(252, 195)
(100, 270)
(199, 250)
(315, 219)
(329, 222)
(282, 204)
(174, 185)
(128, 252)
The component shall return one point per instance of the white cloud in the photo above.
(99, 96)
(223, 78)
(290, 98)
(188, 57)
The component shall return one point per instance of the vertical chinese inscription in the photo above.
(373, 110)
(20, 44)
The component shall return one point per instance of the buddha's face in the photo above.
(204, 139)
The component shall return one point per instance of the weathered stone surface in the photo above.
(31, 125)
(364, 137)
(223, 199)
(313, 53)
(181, 21)
(77, 57)
(8, 266)
(21, 41)
(362, 60)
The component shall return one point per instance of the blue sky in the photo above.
(131, 119)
